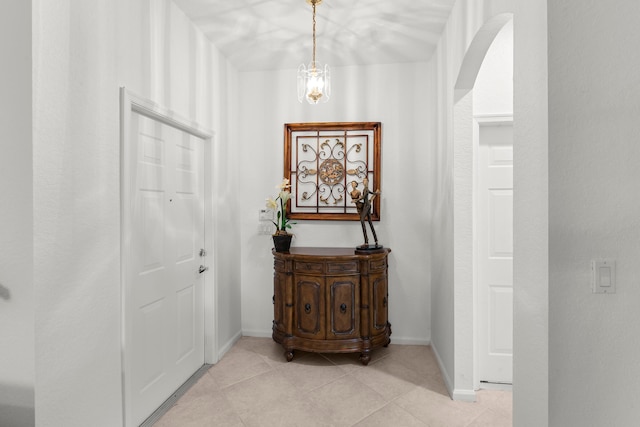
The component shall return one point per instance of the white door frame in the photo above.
(132, 103)
(478, 121)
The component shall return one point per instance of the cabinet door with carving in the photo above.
(343, 299)
(309, 312)
(379, 298)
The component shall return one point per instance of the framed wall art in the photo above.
(322, 160)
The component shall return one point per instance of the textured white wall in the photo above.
(16, 218)
(396, 95)
(441, 185)
(594, 207)
(76, 199)
(83, 53)
(531, 228)
(462, 387)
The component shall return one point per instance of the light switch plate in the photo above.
(603, 276)
(265, 215)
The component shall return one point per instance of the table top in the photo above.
(328, 252)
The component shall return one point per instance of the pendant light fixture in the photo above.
(314, 80)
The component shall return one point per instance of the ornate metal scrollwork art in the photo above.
(322, 160)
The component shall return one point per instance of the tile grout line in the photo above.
(479, 415)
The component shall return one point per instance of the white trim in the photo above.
(443, 371)
(464, 170)
(211, 312)
(493, 119)
(455, 394)
(410, 341)
(227, 346)
(257, 333)
(464, 395)
(129, 103)
(475, 139)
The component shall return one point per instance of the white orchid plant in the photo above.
(279, 205)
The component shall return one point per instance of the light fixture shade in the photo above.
(314, 83)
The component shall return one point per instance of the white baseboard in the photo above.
(227, 346)
(445, 375)
(456, 394)
(464, 395)
(257, 333)
(409, 341)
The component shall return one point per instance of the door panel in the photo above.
(151, 344)
(500, 314)
(495, 252)
(500, 231)
(187, 306)
(343, 302)
(310, 307)
(167, 305)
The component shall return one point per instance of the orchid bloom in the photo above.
(279, 205)
(285, 196)
(271, 204)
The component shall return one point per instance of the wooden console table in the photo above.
(330, 300)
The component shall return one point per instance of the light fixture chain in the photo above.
(313, 59)
(314, 81)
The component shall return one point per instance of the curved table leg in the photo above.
(289, 355)
(365, 357)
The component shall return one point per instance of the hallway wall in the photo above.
(83, 52)
(17, 371)
(531, 215)
(397, 96)
(594, 207)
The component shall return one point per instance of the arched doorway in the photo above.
(466, 233)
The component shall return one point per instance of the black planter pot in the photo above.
(282, 242)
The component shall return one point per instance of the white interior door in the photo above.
(164, 304)
(495, 252)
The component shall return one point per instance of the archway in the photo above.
(466, 379)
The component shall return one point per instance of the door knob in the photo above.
(202, 269)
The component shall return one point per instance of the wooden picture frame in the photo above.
(322, 159)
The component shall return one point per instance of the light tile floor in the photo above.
(253, 385)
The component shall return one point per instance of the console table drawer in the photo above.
(378, 264)
(308, 267)
(343, 267)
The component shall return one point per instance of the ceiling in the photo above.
(277, 34)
